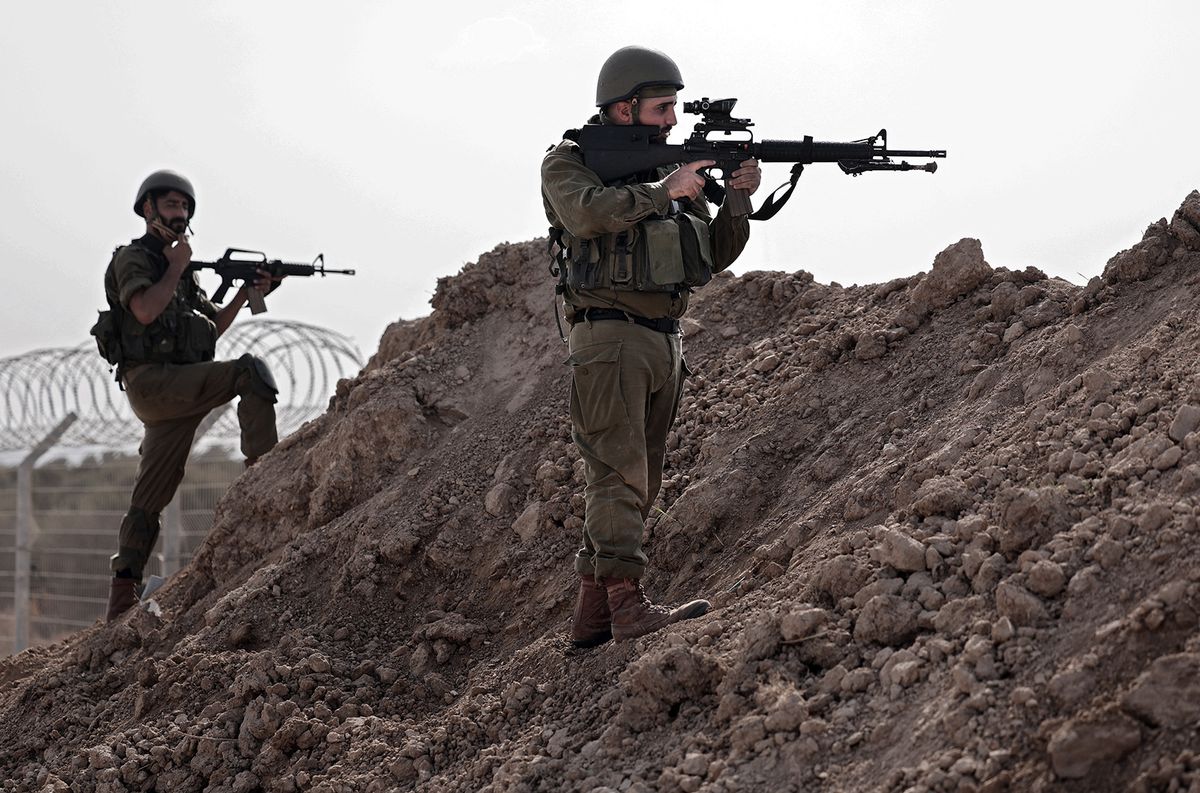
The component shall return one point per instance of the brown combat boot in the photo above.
(633, 614)
(591, 623)
(122, 596)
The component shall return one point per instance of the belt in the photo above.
(664, 325)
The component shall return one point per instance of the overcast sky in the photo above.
(405, 143)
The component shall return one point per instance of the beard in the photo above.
(177, 225)
(661, 136)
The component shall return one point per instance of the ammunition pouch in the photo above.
(175, 337)
(669, 254)
(107, 333)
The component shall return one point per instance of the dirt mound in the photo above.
(948, 524)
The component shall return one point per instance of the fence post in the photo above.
(173, 515)
(25, 523)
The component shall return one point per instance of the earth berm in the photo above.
(949, 525)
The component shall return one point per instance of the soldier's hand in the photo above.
(748, 177)
(267, 283)
(685, 182)
(179, 254)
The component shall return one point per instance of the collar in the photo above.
(151, 243)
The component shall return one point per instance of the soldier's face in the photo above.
(173, 210)
(658, 111)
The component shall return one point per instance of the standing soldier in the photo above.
(632, 252)
(160, 332)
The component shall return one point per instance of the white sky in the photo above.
(404, 139)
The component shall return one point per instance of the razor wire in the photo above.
(38, 388)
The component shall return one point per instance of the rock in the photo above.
(1168, 693)
(1141, 261)
(956, 615)
(902, 668)
(1185, 223)
(1155, 517)
(841, 576)
(1072, 686)
(1187, 420)
(1003, 301)
(786, 714)
(900, 551)
(768, 363)
(1003, 630)
(1168, 459)
(957, 271)
(905, 673)
(1077, 748)
(1031, 517)
(526, 525)
(942, 495)
(802, 624)
(761, 639)
(888, 620)
(1014, 332)
(695, 764)
(1046, 578)
(1019, 604)
(868, 347)
(496, 502)
(1107, 552)
(991, 570)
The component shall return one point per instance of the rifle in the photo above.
(242, 265)
(616, 152)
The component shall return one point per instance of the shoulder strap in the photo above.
(773, 204)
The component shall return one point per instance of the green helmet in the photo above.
(630, 69)
(165, 180)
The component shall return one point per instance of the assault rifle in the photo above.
(617, 152)
(242, 265)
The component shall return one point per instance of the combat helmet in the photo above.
(630, 69)
(165, 180)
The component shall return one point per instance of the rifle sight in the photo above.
(710, 107)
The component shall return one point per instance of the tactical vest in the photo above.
(670, 253)
(656, 255)
(178, 335)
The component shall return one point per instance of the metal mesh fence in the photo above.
(55, 581)
(77, 512)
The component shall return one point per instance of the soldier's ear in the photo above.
(621, 112)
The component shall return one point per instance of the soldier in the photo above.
(625, 248)
(161, 332)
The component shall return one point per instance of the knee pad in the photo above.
(261, 380)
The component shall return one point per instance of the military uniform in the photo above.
(632, 252)
(172, 382)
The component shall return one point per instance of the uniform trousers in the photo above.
(171, 400)
(626, 381)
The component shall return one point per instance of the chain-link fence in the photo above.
(59, 521)
(77, 511)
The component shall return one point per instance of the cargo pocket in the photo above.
(596, 401)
